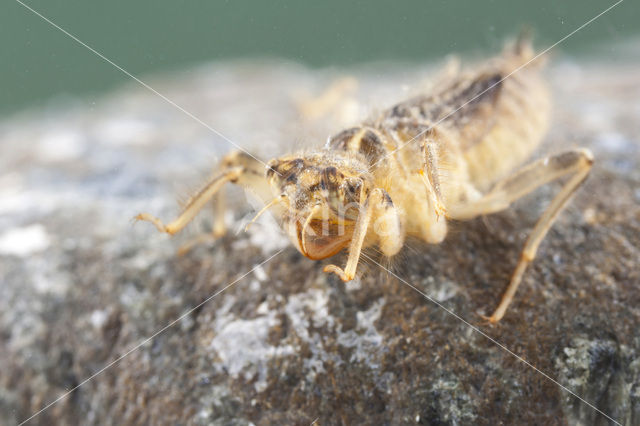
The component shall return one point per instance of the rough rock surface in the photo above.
(81, 286)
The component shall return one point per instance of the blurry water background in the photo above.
(41, 65)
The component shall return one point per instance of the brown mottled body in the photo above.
(481, 124)
(449, 154)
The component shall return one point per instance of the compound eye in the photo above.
(351, 189)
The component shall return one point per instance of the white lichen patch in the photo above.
(24, 241)
(268, 236)
(576, 362)
(365, 337)
(260, 274)
(304, 310)
(313, 301)
(242, 346)
(445, 289)
(98, 318)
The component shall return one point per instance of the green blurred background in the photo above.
(39, 62)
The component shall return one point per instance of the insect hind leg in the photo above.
(576, 163)
(337, 99)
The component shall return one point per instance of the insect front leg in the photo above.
(237, 167)
(429, 174)
(387, 230)
(576, 163)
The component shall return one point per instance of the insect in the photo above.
(455, 153)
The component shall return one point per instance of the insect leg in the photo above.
(219, 227)
(430, 178)
(576, 163)
(237, 168)
(195, 204)
(387, 229)
(337, 97)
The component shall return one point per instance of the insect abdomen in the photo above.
(493, 118)
(519, 122)
(487, 123)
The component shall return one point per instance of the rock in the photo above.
(88, 299)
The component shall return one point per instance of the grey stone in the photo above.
(287, 344)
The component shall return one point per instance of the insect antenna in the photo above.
(264, 209)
